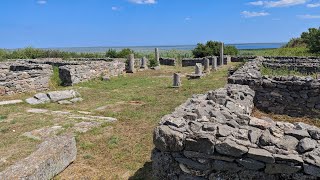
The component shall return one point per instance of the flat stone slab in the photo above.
(10, 102)
(52, 157)
(43, 133)
(84, 127)
(62, 95)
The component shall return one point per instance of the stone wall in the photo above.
(213, 136)
(193, 61)
(73, 74)
(291, 95)
(306, 66)
(20, 77)
(168, 61)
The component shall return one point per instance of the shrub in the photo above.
(295, 42)
(212, 48)
(312, 39)
(111, 53)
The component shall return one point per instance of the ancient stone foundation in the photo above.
(168, 61)
(212, 136)
(193, 61)
(291, 95)
(20, 77)
(34, 75)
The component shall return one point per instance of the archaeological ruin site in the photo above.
(213, 135)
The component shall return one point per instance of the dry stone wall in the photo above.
(306, 66)
(291, 95)
(193, 61)
(213, 136)
(168, 61)
(19, 76)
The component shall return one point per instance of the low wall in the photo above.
(213, 136)
(306, 66)
(168, 61)
(294, 96)
(19, 77)
(193, 61)
(73, 74)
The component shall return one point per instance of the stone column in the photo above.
(144, 63)
(176, 80)
(157, 55)
(198, 69)
(221, 55)
(214, 63)
(206, 65)
(131, 68)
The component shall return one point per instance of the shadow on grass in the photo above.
(144, 173)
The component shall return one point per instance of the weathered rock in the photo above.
(251, 163)
(261, 123)
(84, 127)
(299, 134)
(42, 97)
(281, 169)
(52, 157)
(201, 144)
(289, 158)
(64, 102)
(166, 139)
(43, 133)
(312, 170)
(62, 95)
(34, 101)
(230, 148)
(306, 144)
(225, 166)
(288, 143)
(261, 155)
(75, 100)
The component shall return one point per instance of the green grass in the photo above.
(299, 51)
(284, 72)
(55, 80)
(2, 117)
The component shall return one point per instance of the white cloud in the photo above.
(187, 18)
(114, 8)
(308, 16)
(279, 3)
(313, 5)
(42, 2)
(248, 14)
(143, 1)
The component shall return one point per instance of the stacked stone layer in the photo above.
(193, 61)
(20, 77)
(213, 136)
(167, 61)
(291, 95)
(34, 75)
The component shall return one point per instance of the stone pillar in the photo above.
(214, 63)
(176, 80)
(206, 65)
(157, 55)
(144, 63)
(221, 54)
(131, 68)
(198, 69)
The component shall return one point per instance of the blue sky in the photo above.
(85, 23)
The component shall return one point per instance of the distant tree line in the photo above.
(309, 39)
(212, 48)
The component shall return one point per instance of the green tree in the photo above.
(111, 53)
(312, 39)
(212, 48)
(124, 53)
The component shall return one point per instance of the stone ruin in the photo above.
(291, 95)
(213, 135)
(193, 61)
(21, 76)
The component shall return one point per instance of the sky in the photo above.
(88, 23)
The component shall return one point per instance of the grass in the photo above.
(299, 51)
(119, 150)
(284, 72)
(55, 80)
(114, 150)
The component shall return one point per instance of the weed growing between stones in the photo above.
(283, 72)
(55, 80)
